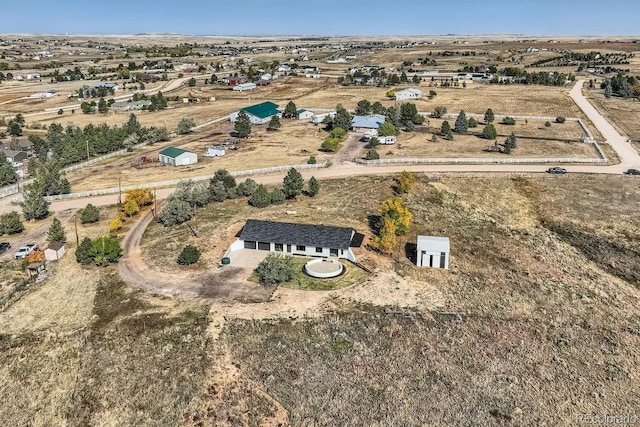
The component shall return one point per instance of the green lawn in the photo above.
(301, 280)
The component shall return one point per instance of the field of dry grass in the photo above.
(536, 321)
(622, 113)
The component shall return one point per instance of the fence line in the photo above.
(174, 182)
(481, 160)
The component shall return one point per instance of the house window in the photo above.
(248, 244)
(333, 252)
(279, 247)
(300, 248)
(264, 246)
(318, 250)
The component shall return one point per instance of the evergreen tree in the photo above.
(314, 186)
(34, 205)
(293, 184)
(89, 214)
(82, 252)
(175, 211)
(277, 196)
(446, 128)
(11, 223)
(473, 123)
(372, 154)
(342, 118)
(608, 90)
(56, 232)
(378, 108)
(462, 124)
(290, 111)
(105, 250)
(242, 125)
(103, 108)
(489, 117)
(261, 198)
(185, 126)
(489, 132)
(363, 108)
(8, 174)
(247, 187)
(449, 135)
(387, 129)
(274, 123)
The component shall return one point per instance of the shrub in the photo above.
(373, 142)
(275, 269)
(247, 187)
(143, 197)
(277, 196)
(89, 214)
(330, 144)
(372, 154)
(547, 124)
(261, 198)
(314, 186)
(509, 121)
(338, 133)
(105, 250)
(189, 255)
(489, 132)
(176, 211)
(130, 208)
(439, 111)
(560, 119)
(312, 160)
(473, 123)
(115, 226)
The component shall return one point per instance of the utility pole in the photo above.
(155, 202)
(119, 191)
(75, 223)
(87, 150)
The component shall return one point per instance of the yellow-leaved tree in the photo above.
(386, 241)
(395, 209)
(143, 197)
(405, 182)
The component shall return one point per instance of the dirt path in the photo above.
(349, 150)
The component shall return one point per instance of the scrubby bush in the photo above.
(11, 223)
(547, 124)
(261, 198)
(330, 144)
(372, 154)
(189, 255)
(247, 187)
(275, 269)
(312, 160)
(82, 252)
(473, 123)
(277, 196)
(105, 250)
(560, 119)
(508, 121)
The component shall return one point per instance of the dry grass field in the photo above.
(622, 113)
(535, 323)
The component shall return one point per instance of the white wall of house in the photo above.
(292, 249)
(183, 159)
(305, 115)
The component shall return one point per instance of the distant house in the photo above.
(32, 76)
(433, 252)
(232, 81)
(258, 114)
(410, 93)
(15, 156)
(106, 85)
(363, 123)
(304, 114)
(54, 251)
(129, 106)
(318, 118)
(263, 82)
(297, 239)
(244, 87)
(177, 157)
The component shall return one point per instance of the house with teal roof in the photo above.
(259, 113)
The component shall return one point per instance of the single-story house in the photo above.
(133, 105)
(215, 152)
(304, 114)
(15, 156)
(410, 93)
(433, 252)
(177, 157)
(244, 86)
(19, 145)
(362, 123)
(258, 114)
(318, 118)
(297, 239)
(54, 251)
(106, 85)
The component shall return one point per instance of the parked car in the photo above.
(632, 171)
(24, 251)
(4, 247)
(557, 170)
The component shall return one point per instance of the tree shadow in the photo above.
(375, 222)
(411, 252)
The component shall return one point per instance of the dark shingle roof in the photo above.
(263, 110)
(297, 234)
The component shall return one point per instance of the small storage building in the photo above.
(177, 157)
(410, 93)
(54, 251)
(433, 252)
(215, 152)
(304, 114)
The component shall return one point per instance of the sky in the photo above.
(323, 17)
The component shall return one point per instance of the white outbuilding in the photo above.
(410, 93)
(215, 152)
(177, 157)
(433, 252)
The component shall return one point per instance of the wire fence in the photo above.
(479, 160)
